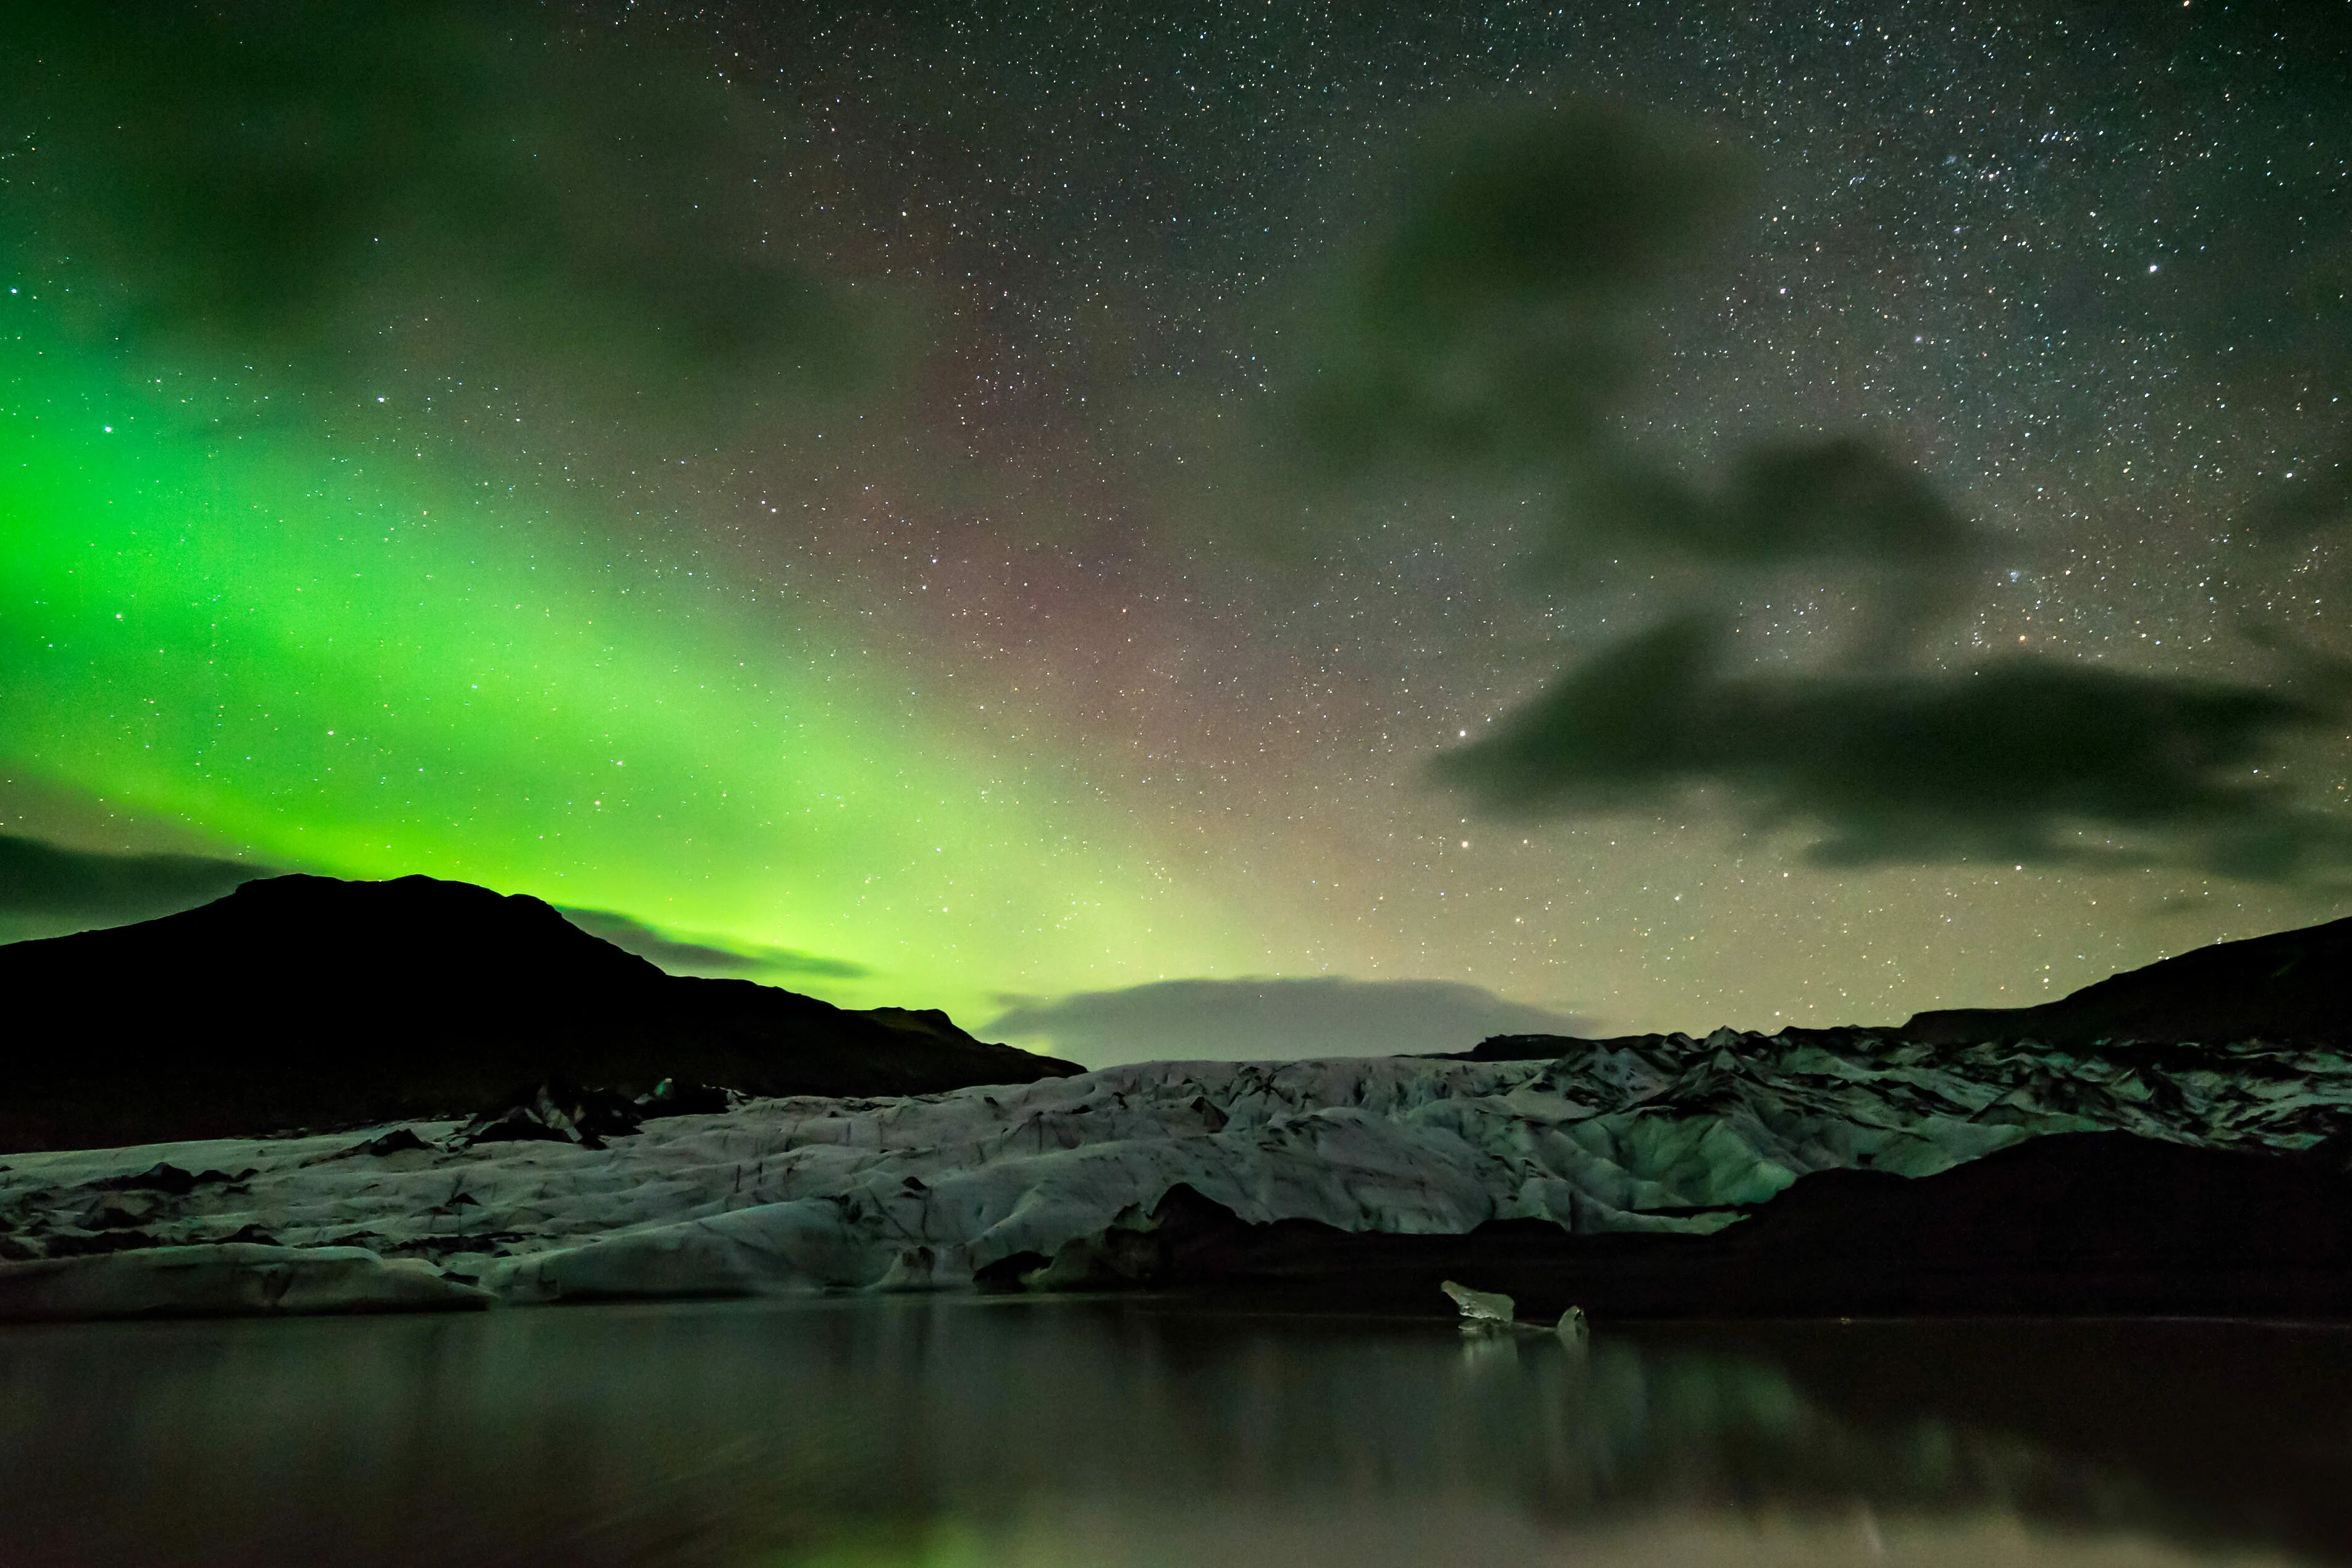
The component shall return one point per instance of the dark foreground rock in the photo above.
(309, 1002)
(2073, 1225)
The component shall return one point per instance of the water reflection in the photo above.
(972, 1433)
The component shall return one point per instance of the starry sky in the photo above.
(1151, 525)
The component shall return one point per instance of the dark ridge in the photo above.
(1552, 1048)
(2066, 1225)
(1546, 1047)
(2289, 985)
(309, 1002)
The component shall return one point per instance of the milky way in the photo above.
(994, 645)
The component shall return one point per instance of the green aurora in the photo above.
(332, 665)
(830, 488)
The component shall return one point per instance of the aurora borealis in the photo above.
(297, 656)
(814, 482)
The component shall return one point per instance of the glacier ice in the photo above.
(925, 1192)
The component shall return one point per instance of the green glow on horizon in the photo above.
(371, 673)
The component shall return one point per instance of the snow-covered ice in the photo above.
(924, 1191)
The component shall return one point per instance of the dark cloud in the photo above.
(2022, 760)
(708, 958)
(1905, 553)
(1492, 322)
(2317, 501)
(320, 184)
(1181, 1020)
(1492, 329)
(1489, 336)
(1815, 500)
(47, 888)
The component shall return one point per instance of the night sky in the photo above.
(1630, 517)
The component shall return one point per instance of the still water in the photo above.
(979, 1433)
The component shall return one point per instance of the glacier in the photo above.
(994, 1185)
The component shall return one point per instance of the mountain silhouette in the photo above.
(2287, 988)
(304, 1001)
(2289, 985)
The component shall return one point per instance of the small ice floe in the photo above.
(1483, 1311)
(1492, 1312)
(1572, 1328)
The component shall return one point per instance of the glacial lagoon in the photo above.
(958, 1431)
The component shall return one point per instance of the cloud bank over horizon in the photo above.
(1267, 1019)
(51, 889)
(714, 957)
